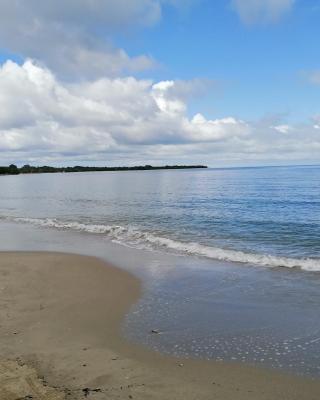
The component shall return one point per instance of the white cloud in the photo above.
(282, 128)
(126, 120)
(73, 37)
(76, 102)
(38, 110)
(261, 11)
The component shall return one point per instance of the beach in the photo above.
(60, 338)
(159, 200)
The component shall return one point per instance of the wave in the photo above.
(134, 237)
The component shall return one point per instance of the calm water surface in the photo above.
(264, 216)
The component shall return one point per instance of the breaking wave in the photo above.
(134, 237)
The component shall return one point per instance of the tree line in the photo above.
(28, 169)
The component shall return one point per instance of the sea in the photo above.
(229, 257)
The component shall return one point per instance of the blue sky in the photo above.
(229, 82)
(259, 68)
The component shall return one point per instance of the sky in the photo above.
(126, 82)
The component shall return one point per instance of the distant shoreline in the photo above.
(28, 169)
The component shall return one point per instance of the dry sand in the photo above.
(59, 339)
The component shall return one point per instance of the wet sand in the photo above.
(60, 317)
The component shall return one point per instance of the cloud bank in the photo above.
(76, 98)
(45, 119)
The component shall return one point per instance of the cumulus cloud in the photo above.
(37, 110)
(43, 119)
(261, 11)
(73, 38)
(80, 102)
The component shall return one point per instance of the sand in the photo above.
(60, 317)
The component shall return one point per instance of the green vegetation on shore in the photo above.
(28, 169)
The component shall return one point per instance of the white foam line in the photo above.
(134, 237)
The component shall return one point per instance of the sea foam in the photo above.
(133, 237)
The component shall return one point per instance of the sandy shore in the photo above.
(59, 339)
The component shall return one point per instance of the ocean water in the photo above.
(230, 258)
(262, 216)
